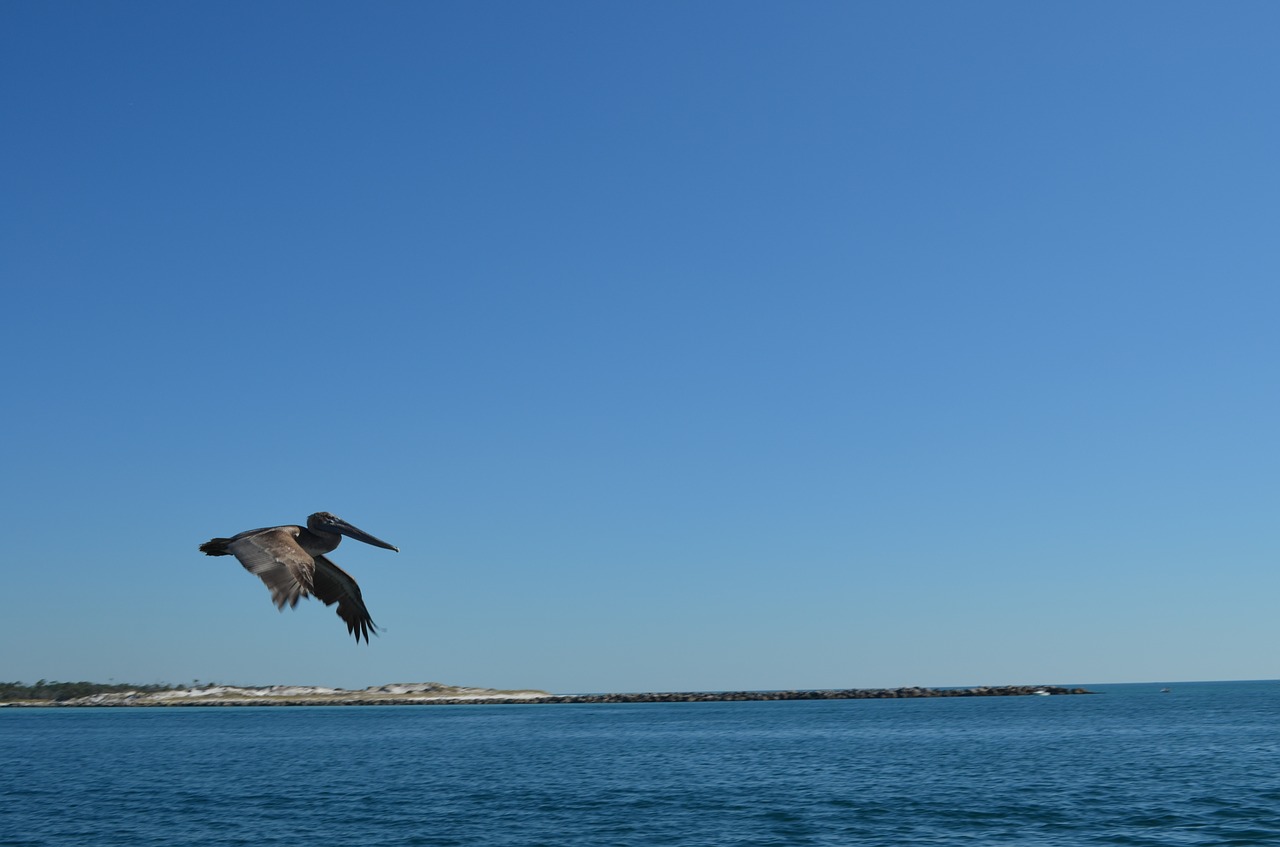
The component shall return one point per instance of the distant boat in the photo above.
(1040, 692)
(1165, 690)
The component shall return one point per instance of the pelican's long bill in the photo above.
(339, 525)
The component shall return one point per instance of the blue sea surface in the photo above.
(1131, 765)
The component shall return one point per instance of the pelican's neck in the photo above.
(317, 542)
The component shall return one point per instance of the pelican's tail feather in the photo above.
(216, 547)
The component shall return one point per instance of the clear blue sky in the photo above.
(677, 345)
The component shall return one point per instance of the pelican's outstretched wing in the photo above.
(334, 585)
(275, 557)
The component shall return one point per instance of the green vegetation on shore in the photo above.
(60, 691)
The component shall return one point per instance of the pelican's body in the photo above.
(290, 560)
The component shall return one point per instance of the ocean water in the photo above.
(1132, 766)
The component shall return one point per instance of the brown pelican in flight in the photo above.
(291, 561)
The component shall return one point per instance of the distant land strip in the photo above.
(435, 694)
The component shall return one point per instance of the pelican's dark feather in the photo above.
(334, 585)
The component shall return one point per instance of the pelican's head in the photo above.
(329, 522)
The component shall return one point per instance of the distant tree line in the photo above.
(52, 690)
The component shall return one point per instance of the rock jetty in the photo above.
(827, 694)
(818, 694)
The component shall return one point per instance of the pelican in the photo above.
(291, 561)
